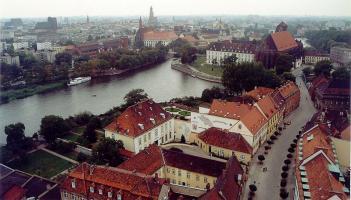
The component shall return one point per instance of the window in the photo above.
(197, 177)
(179, 182)
(188, 175)
(139, 141)
(179, 172)
(109, 194)
(149, 135)
(65, 195)
(242, 157)
(100, 191)
(173, 181)
(73, 184)
(156, 133)
(119, 197)
(173, 171)
(170, 135)
(168, 170)
(91, 189)
(166, 137)
(144, 138)
(205, 179)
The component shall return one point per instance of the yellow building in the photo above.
(179, 168)
(224, 144)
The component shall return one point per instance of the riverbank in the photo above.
(12, 94)
(187, 69)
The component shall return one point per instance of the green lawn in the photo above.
(79, 130)
(200, 64)
(172, 109)
(71, 137)
(184, 113)
(41, 163)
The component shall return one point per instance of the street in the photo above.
(268, 183)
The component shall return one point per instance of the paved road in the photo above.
(268, 183)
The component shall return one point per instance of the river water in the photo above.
(98, 96)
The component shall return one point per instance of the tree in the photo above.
(287, 162)
(284, 63)
(261, 158)
(285, 168)
(15, 137)
(89, 132)
(288, 76)
(83, 118)
(214, 93)
(188, 54)
(52, 127)
(307, 71)
(284, 174)
(341, 73)
(253, 188)
(284, 194)
(90, 38)
(245, 76)
(135, 96)
(283, 183)
(230, 60)
(107, 151)
(63, 58)
(323, 67)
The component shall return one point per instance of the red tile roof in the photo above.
(129, 184)
(248, 114)
(283, 40)
(259, 92)
(139, 118)
(160, 35)
(288, 89)
(229, 184)
(322, 183)
(267, 106)
(14, 193)
(233, 141)
(147, 161)
(153, 158)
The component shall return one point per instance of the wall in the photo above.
(182, 127)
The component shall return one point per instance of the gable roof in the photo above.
(259, 92)
(228, 185)
(288, 89)
(283, 40)
(160, 35)
(139, 118)
(267, 106)
(233, 141)
(133, 185)
(247, 113)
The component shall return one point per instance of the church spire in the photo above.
(140, 23)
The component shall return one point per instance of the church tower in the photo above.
(152, 22)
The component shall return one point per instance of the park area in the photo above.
(201, 65)
(177, 111)
(41, 163)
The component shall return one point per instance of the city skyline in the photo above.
(173, 8)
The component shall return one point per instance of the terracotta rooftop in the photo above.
(147, 161)
(318, 171)
(283, 40)
(288, 89)
(160, 35)
(248, 114)
(267, 106)
(233, 141)
(259, 92)
(139, 118)
(228, 185)
(129, 184)
(154, 157)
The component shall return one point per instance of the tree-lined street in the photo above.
(268, 182)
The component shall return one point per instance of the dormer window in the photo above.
(91, 189)
(109, 194)
(141, 126)
(153, 121)
(139, 113)
(163, 115)
(73, 184)
(100, 191)
(119, 197)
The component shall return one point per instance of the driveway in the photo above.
(268, 183)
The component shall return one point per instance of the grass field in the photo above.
(200, 64)
(79, 129)
(172, 109)
(41, 163)
(185, 113)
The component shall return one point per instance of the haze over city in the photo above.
(42, 8)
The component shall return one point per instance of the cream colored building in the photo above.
(141, 125)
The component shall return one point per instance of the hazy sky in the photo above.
(43, 8)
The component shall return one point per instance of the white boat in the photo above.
(79, 80)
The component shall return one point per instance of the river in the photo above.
(98, 96)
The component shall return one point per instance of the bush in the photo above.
(283, 183)
(291, 150)
(280, 128)
(252, 188)
(285, 168)
(284, 195)
(270, 142)
(284, 174)
(297, 136)
(81, 157)
(287, 162)
(289, 155)
(276, 133)
(267, 148)
(295, 141)
(261, 158)
(273, 137)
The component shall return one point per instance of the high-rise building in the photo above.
(51, 24)
(152, 19)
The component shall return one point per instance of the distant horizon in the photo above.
(69, 8)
